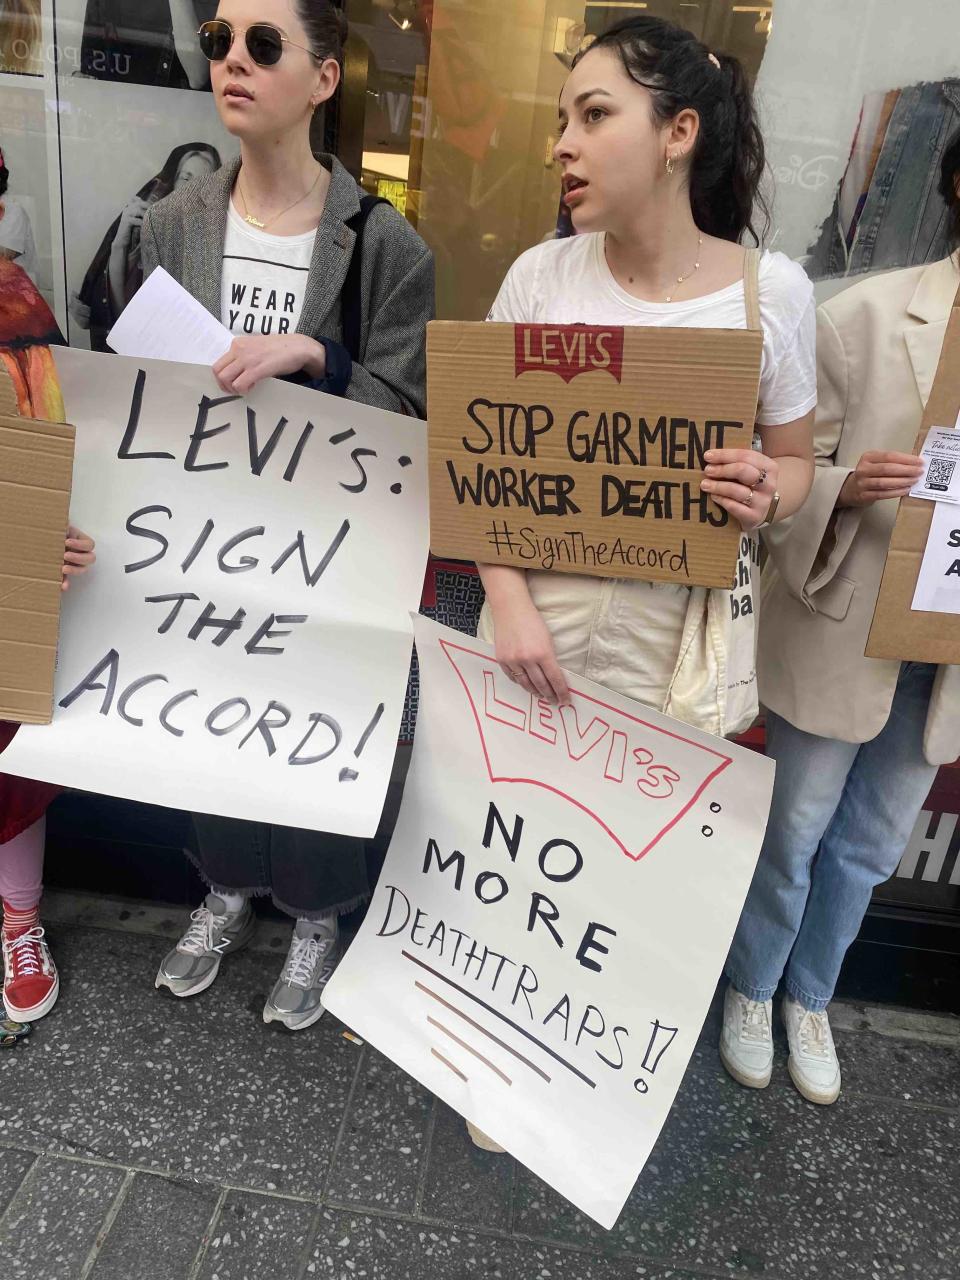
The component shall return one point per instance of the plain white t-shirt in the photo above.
(568, 282)
(264, 278)
(16, 234)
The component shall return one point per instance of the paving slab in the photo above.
(351, 1247)
(383, 1146)
(199, 1087)
(14, 1167)
(258, 1238)
(464, 1184)
(753, 1182)
(53, 1222)
(158, 1231)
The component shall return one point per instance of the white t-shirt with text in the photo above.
(568, 281)
(264, 278)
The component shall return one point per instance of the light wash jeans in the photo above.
(841, 817)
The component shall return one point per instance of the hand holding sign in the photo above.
(250, 360)
(879, 474)
(524, 646)
(743, 482)
(78, 555)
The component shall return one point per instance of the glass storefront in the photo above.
(448, 109)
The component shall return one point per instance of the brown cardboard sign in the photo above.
(580, 449)
(36, 464)
(899, 631)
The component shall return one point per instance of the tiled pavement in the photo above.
(143, 1138)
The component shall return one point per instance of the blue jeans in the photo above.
(841, 817)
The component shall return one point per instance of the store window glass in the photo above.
(448, 109)
(460, 115)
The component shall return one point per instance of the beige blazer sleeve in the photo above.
(809, 547)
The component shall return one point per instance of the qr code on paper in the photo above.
(939, 474)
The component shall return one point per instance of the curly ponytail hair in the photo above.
(728, 162)
(326, 27)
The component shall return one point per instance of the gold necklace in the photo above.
(262, 226)
(696, 268)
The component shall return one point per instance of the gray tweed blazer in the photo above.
(184, 233)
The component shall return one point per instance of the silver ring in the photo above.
(762, 475)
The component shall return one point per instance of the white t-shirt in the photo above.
(16, 234)
(264, 278)
(568, 282)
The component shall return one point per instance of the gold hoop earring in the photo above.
(671, 164)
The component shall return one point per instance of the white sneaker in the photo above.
(813, 1063)
(746, 1040)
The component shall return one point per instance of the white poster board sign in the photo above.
(242, 645)
(553, 914)
(938, 584)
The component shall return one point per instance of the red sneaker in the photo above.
(30, 983)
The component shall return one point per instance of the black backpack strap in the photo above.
(351, 309)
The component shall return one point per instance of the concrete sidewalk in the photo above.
(143, 1138)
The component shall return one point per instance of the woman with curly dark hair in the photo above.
(662, 158)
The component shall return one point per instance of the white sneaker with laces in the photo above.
(746, 1040)
(813, 1064)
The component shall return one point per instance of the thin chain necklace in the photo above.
(696, 268)
(262, 226)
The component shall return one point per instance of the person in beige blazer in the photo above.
(857, 741)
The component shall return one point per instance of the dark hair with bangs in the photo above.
(728, 161)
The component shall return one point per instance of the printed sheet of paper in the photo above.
(940, 481)
(242, 645)
(553, 915)
(165, 322)
(938, 586)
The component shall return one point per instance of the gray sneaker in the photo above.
(194, 962)
(296, 999)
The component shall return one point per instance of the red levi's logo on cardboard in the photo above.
(568, 350)
(644, 778)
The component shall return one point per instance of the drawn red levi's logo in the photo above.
(568, 350)
(637, 780)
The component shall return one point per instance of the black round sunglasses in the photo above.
(264, 42)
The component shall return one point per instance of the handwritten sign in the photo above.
(938, 584)
(553, 915)
(581, 450)
(243, 644)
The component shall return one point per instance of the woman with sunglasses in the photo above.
(265, 244)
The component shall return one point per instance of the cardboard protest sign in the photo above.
(242, 646)
(899, 630)
(553, 915)
(580, 449)
(36, 462)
